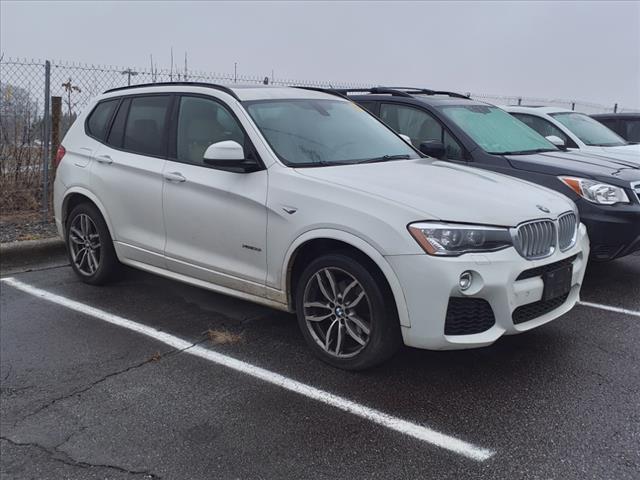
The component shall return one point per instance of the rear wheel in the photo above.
(345, 313)
(89, 245)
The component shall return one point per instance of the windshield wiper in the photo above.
(526, 152)
(383, 158)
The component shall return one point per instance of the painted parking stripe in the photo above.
(405, 427)
(610, 308)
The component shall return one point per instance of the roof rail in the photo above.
(222, 88)
(375, 90)
(331, 91)
(405, 91)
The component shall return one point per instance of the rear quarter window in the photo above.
(98, 121)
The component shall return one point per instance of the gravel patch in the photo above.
(15, 229)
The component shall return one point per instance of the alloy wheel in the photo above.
(337, 312)
(84, 244)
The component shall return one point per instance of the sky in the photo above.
(587, 50)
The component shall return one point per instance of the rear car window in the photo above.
(145, 126)
(98, 121)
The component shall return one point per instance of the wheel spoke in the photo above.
(317, 305)
(327, 340)
(76, 232)
(93, 258)
(349, 288)
(332, 282)
(339, 340)
(323, 289)
(82, 255)
(360, 323)
(352, 333)
(356, 301)
(318, 318)
(84, 227)
(75, 239)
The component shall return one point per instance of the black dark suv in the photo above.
(455, 128)
(627, 125)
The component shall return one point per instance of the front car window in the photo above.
(495, 131)
(540, 125)
(315, 132)
(202, 122)
(590, 131)
(420, 127)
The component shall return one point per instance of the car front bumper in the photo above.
(429, 283)
(614, 230)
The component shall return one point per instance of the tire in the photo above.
(335, 330)
(99, 263)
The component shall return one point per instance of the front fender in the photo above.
(364, 247)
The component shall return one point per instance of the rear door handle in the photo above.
(104, 159)
(174, 177)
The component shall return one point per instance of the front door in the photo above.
(215, 220)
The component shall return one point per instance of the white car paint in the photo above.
(196, 230)
(622, 152)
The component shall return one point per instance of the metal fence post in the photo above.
(56, 118)
(45, 142)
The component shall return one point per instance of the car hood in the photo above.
(448, 192)
(591, 165)
(630, 153)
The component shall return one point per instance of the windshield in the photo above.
(495, 131)
(590, 131)
(322, 132)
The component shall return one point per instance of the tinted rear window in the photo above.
(99, 119)
(145, 128)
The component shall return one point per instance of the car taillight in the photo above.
(59, 154)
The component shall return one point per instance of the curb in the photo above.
(43, 246)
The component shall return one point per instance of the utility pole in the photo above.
(129, 73)
(235, 72)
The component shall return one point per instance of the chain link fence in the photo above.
(26, 89)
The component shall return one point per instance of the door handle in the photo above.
(174, 177)
(104, 159)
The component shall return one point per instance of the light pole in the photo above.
(129, 73)
(235, 72)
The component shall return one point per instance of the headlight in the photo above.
(596, 192)
(455, 239)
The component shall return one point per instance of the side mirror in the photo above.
(433, 149)
(557, 141)
(229, 155)
(406, 138)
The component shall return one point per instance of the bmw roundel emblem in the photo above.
(543, 208)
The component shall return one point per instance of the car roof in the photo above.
(534, 109)
(616, 115)
(239, 92)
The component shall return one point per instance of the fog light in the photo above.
(465, 280)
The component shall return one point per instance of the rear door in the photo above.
(216, 220)
(127, 176)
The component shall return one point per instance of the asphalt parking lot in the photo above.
(85, 396)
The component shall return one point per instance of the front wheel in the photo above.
(89, 245)
(346, 314)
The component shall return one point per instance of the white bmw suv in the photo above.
(303, 201)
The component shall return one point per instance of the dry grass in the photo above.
(223, 337)
(155, 357)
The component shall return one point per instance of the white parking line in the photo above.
(394, 423)
(610, 308)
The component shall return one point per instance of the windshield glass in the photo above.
(495, 131)
(590, 131)
(312, 132)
